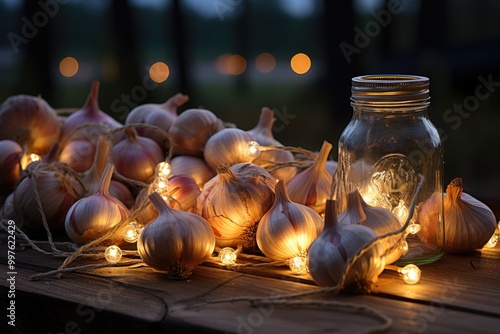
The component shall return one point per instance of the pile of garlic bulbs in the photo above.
(82, 175)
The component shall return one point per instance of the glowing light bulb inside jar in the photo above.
(253, 149)
(228, 255)
(410, 273)
(131, 232)
(113, 254)
(298, 265)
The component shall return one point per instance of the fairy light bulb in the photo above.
(228, 255)
(494, 238)
(160, 185)
(163, 169)
(401, 212)
(298, 265)
(131, 232)
(113, 254)
(29, 158)
(413, 228)
(410, 273)
(253, 149)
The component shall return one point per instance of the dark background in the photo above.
(454, 43)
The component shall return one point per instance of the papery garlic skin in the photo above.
(191, 130)
(234, 201)
(93, 216)
(287, 229)
(228, 146)
(176, 241)
(195, 167)
(381, 220)
(183, 192)
(329, 253)
(31, 122)
(136, 157)
(469, 223)
(313, 186)
(57, 192)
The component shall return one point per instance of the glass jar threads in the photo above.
(391, 153)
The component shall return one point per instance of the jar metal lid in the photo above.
(390, 90)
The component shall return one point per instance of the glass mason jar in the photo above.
(392, 154)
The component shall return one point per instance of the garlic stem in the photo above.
(106, 179)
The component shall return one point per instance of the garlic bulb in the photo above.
(78, 154)
(136, 157)
(161, 115)
(93, 216)
(10, 153)
(234, 201)
(287, 229)
(57, 190)
(329, 253)
(469, 223)
(183, 192)
(193, 166)
(191, 130)
(89, 114)
(380, 220)
(262, 133)
(313, 185)
(228, 146)
(175, 242)
(31, 122)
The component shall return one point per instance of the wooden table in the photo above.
(458, 294)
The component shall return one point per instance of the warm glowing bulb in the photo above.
(401, 212)
(227, 255)
(29, 158)
(160, 184)
(131, 232)
(113, 254)
(253, 149)
(413, 228)
(298, 265)
(411, 274)
(163, 169)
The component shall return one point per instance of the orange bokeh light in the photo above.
(265, 62)
(159, 72)
(231, 64)
(68, 67)
(300, 63)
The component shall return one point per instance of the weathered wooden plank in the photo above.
(136, 298)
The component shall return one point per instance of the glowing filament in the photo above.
(298, 265)
(227, 255)
(131, 232)
(411, 274)
(113, 254)
(163, 169)
(253, 149)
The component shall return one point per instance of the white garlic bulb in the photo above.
(469, 223)
(380, 220)
(287, 229)
(228, 146)
(93, 216)
(313, 186)
(10, 151)
(329, 254)
(176, 241)
(183, 192)
(234, 201)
